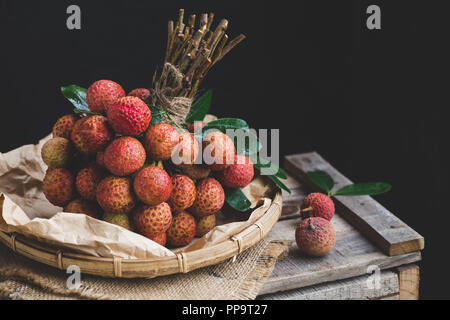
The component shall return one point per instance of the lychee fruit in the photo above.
(182, 230)
(115, 195)
(160, 239)
(87, 181)
(102, 94)
(218, 150)
(119, 219)
(59, 186)
(57, 152)
(317, 205)
(64, 126)
(183, 193)
(196, 171)
(210, 198)
(159, 141)
(152, 185)
(124, 156)
(141, 93)
(186, 150)
(99, 158)
(194, 127)
(151, 221)
(205, 224)
(83, 206)
(315, 236)
(91, 134)
(238, 174)
(129, 116)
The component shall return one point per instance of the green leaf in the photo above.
(321, 179)
(279, 183)
(77, 96)
(200, 108)
(157, 115)
(260, 163)
(225, 124)
(237, 199)
(364, 189)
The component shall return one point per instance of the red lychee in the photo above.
(87, 181)
(315, 236)
(239, 174)
(196, 171)
(182, 230)
(160, 239)
(151, 221)
(152, 185)
(317, 205)
(218, 150)
(102, 94)
(159, 141)
(91, 134)
(124, 156)
(57, 152)
(129, 116)
(115, 195)
(183, 193)
(83, 206)
(58, 186)
(210, 198)
(141, 93)
(205, 224)
(63, 127)
(186, 150)
(100, 158)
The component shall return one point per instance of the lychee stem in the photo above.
(307, 209)
(310, 225)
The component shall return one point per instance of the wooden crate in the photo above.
(374, 254)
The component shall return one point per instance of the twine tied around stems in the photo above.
(164, 95)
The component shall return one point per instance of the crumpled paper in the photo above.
(26, 211)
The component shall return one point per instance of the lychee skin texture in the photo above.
(99, 158)
(141, 93)
(210, 198)
(160, 140)
(239, 174)
(83, 206)
(218, 150)
(87, 181)
(151, 221)
(182, 230)
(124, 156)
(119, 219)
(183, 193)
(315, 236)
(115, 195)
(322, 206)
(102, 94)
(160, 239)
(129, 116)
(152, 185)
(205, 225)
(57, 152)
(58, 186)
(196, 171)
(64, 126)
(186, 150)
(91, 134)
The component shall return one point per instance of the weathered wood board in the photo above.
(389, 233)
(354, 254)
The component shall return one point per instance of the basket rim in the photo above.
(147, 268)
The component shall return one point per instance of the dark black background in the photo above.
(371, 102)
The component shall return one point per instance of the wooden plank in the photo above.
(358, 288)
(388, 232)
(409, 278)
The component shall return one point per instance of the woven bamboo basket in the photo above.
(146, 268)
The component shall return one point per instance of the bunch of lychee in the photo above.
(110, 165)
(315, 235)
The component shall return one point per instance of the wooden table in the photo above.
(374, 254)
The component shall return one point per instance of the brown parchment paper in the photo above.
(26, 211)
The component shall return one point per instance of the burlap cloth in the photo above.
(21, 278)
